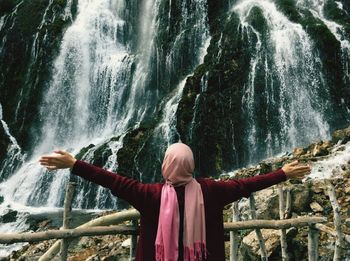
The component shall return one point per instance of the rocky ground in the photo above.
(308, 198)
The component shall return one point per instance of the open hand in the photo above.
(58, 160)
(294, 170)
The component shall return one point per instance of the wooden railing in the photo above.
(108, 225)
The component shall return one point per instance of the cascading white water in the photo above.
(98, 91)
(76, 109)
(196, 25)
(316, 7)
(14, 152)
(283, 83)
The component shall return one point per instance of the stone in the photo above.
(126, 243)
(301, 197)
(297, 152)
(347, 222)
(1, 200)
(265, 167)
(319, 150)
(347, 190)
(84, 242)
(316, 207)
(250, 249)
(341, 135)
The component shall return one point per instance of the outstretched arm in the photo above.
(128, 189)
(229, 191)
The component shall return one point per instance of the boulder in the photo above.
(316, 207)
(250, 249)
(126, 243)
(319, 148)
(9, 217)
(301, 197)
(297, 152)
(341, 135)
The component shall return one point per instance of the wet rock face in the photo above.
(209, 116)
(9, 217)
(26, 69)
(346, 5)
(4, 142)
(132, 144)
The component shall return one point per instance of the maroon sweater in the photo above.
(146, 199)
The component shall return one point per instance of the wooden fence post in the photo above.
(288, 208)
(258, 231)
(234, 235)
(133, 241)
(67, 217)
(313, 234)
(339, 242)
(282, 210)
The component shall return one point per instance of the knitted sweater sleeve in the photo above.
(226, 192)
(133, 191)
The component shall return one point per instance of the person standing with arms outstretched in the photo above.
(182, 218)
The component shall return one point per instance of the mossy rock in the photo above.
(25, 77)
(9, 217)
(258, 21)
(289, 9)
(132, 143)
(301, 198)
(83, 151)
(101, 155)
(342, 135)
(4, 143)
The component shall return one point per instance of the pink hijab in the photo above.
(177, 169)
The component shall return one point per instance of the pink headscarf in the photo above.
(177, 169)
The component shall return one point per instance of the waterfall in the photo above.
(283, 83)
(317, 9)
(91, 74)
(100, 89)
(14, 151)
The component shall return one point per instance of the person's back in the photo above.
(181, 219)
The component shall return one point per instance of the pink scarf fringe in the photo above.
(198, 253)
